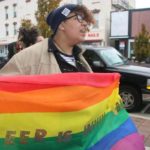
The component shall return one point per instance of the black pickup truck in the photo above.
(135, 80)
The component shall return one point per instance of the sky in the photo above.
(142, 3)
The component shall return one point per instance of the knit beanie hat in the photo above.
(58, 15)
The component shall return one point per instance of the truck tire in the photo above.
(132, 98)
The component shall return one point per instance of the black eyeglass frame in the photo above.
(79, 18)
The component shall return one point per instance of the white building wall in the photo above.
(132, 3)
(105, 20)
(27, 11)
(24, 11)
(2, 18)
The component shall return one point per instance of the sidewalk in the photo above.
(143, 125)
(140, 64)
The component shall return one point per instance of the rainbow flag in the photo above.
(75, 111)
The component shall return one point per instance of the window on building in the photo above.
(79, 2)
(14, 10)
(15, 28)
(95, 1)
(28, 1)
(6, 12)
(6, 28)
(96, 16)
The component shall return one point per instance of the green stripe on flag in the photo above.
(94, 131)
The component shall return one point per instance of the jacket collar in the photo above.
(52, 48)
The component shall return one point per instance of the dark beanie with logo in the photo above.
(58, 15)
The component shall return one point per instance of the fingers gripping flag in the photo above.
(79, 111)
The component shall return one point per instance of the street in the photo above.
(142, 120)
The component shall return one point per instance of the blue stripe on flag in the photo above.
(113, 137)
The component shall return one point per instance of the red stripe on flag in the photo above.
(35, 82)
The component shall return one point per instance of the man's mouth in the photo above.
(83, 30)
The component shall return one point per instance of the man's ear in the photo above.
(61, 26)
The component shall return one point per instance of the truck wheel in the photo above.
(132, 98)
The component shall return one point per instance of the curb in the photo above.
(147, 117)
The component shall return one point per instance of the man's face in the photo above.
(75, 27)
(19, 46)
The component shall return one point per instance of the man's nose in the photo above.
(86, 25)
(84, 22)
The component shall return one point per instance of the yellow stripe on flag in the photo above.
(56, 122)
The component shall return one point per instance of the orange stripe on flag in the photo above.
(58, 99)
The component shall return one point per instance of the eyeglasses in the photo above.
(80, 20)
(78, 17)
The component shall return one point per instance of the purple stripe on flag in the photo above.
(131, 142)
(127, 128)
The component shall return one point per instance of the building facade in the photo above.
(12, 12)
(125, 26)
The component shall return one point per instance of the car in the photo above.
(3, 61)
(134, 81)
(147, 60)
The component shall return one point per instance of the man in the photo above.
(28, 37)
(59, 53)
